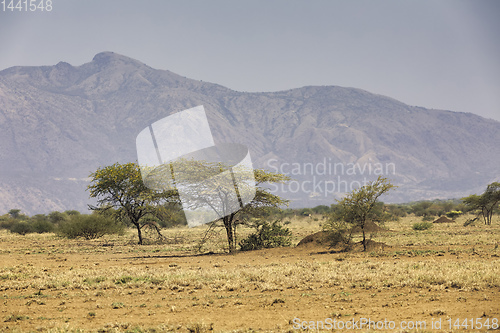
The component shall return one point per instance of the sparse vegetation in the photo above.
(15, 317)
(417, 273)
(422, 225)
(117, 305)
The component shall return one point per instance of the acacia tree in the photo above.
(485, 204)
(120, 186)
(15, 213)
(212, 186)
(356, 210)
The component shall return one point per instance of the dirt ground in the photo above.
(53, 284)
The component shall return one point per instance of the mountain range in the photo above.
(60, 123)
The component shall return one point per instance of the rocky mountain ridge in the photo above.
(59, 123)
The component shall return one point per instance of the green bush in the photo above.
(21, 228)
(267, 235)
(42, 226)
(57, 217)
(454, 213)
(7, 222)
(38, 223)
(89, 226)
(422, 225)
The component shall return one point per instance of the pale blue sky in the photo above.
(436, 54)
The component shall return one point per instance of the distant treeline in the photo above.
(72, 223)
(424, 209)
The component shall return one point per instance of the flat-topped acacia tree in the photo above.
(484, 205)
(120, 186)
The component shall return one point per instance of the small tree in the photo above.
(485, 204)
(357, 209)
(120, 186)
(203, 186)
(15, 213)
(454, 213)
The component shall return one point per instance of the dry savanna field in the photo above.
(449, 274)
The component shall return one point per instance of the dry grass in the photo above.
(302, 275)
(91, 280)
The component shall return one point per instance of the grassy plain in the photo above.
(445, 273)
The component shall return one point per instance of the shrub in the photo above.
(267, 235)
(42, 226)
(453, 214)
(117, 305)
(21, 228)
(57, 217)
(89, 226)
(422, 225)
(7, 222)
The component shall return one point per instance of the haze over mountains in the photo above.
(59, 123)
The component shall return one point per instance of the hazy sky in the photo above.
(436, 54)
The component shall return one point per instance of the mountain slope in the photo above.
(59, 123)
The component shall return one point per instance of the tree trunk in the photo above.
(139, 232)
(230, 238)
(364, 239)
(485, 215)
(230, 234)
